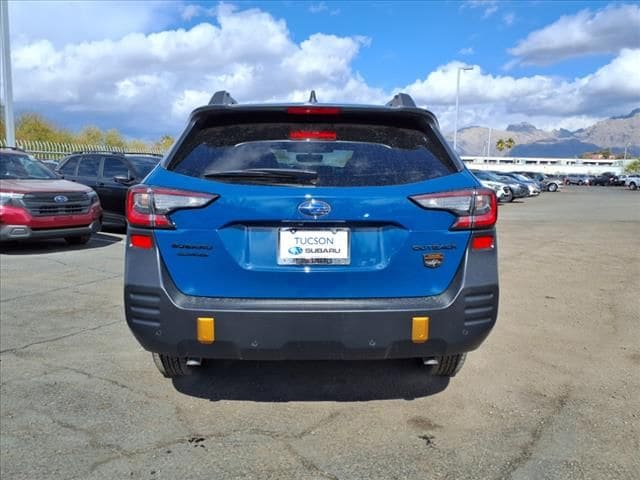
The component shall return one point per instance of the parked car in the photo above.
(603, 180)
(619, 180)
(576, 180)
(632, 181)
(311, 231)
(517, 185)
(532, 186)
(546, 183)
(36, 204)
(110, 174)
(487, 180)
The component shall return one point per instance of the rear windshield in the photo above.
(340, 154)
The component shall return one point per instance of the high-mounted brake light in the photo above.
(149, 207)
(312, 135)
(475, 208)
(313, 111)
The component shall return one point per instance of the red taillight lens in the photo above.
(474, 209)
(141, 241)
(312, 135)
(313, 111)
(483, 242)
(149, 207)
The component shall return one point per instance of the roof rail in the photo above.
(401, 100)
(115, 152)
(222, 97)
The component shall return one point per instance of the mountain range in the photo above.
(613, 134)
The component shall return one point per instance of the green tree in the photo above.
(633, 167)
(137, 146)
(33, 127)
(507, 144)
(90, 135)
(113, 138)
(164, 143)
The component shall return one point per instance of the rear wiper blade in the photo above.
(274, 175)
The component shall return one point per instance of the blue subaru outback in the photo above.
(311, 231)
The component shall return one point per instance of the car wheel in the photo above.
(79, 240)
(171, 367)
(448, 365)
(580, 182)
(632, 186)
(508, 197)
(553, 187)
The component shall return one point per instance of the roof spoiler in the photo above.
(222, 97)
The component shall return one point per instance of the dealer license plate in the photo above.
(313, 247)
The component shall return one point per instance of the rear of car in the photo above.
(311, 232)
(36, 204)
(110, 174)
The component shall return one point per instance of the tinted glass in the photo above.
(69, 168)
(143, 165)
(348, 155)
(15, 166)
(89, 167)
(113, 167)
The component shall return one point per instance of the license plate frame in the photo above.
(305, 259)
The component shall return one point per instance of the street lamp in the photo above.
(625, 149)
(455, 131)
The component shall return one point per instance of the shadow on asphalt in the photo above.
(311, 381)
(38, 247)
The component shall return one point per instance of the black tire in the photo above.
(79, 240)
(632, 186)
(553, 187)
(171, 367)
(580, 182)
(508, 198)
(448, 365)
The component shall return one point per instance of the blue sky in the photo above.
(142, 66)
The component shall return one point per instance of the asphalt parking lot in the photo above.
(554, 393)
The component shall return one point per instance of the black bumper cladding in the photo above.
(164, 320)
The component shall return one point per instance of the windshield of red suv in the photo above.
(14, 166)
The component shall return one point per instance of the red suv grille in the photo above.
(45, 204)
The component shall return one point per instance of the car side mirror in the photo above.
(124, 180)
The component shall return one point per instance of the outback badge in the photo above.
(432, 260)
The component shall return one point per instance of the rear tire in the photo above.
(448, 365)
(632, 186)
(171, 367)
(508, 198)
(80, 240)
(553, 187)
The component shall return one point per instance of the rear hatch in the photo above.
(315, 203)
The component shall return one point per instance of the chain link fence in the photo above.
(57, 151)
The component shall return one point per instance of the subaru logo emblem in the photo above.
(295, 250)
(314, 208)
(60, 199)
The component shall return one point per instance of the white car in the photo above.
(632, 181)
(503, 192)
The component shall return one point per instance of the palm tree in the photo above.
(509, 143)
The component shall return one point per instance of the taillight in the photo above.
(312, 135)
(474, 208)
(150, 206)
(313, 111)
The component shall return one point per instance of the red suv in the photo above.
(36, 203)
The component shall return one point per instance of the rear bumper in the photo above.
(164, 320)
(23, 232)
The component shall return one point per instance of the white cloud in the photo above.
(605, 31)
(63, 22)
(489, 7)
(466, 51)
(150, 82)
(509, 18)
(318, 7)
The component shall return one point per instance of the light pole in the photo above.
(6, 73)
(455, 131)
(625, 150)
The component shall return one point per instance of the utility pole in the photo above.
(455, 130)
(489, 144)
(7, 86)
